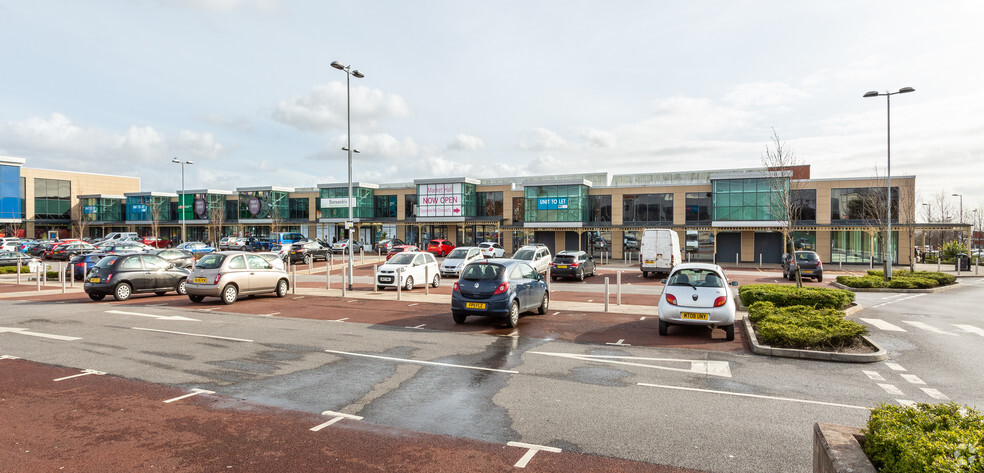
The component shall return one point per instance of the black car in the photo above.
(66, 251)
(808, 262)
(572, 264)
(10, 258)
(179, 258)
(383, 246)
(308, 251)
(124, 275)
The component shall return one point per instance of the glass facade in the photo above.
(699, 246)
(488, 204)
(860, 247)
(804, 205)
(698, 207)
(455, 199)
(518, 209)
(557, 203)
(202, 206)
(98, 209)
(744, 200)
(410, 204)
(861, 204)
(263, 204)
(299, 208)
(144, 207)
(600, 208)
(337, 206)
(10, 192)
(384, 206)
(52, 199)
(648, 208)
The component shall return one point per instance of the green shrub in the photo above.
(787, 295)
(932, 438)
(13, 269)
(861, 281)
(804, 327)
(952, 248)
(941, 279)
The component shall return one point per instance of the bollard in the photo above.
(871, 262)
(977, 265)
(618, 288)
(71, 272)
(736, 260)
(606, 293)
(399, 284)
(44, 274)
(760, 260)
(18, 270)
(311, 266)
(362, 255)
(344, 281)
(938, 259)
(547, 280)
(61, 277)
(375, 271)
(426, 280)
(688, 256)
(840, 264)
(293, 278)
(327, 278)
(38, 276)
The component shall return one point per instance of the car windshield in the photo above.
(210, 261)
(458, 253)
(483, 272)
(524, 254)
(402, 258)
(107, 261)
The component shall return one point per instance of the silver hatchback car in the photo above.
(228, 274)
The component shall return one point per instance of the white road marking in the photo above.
(906, 402)
(337, 416)
(894, 366)
(193, 334)
(339, 320)
(433, 363)
(271, 314)
(619, 343)
(927, 327)
(555, 313)
(411, 305)
(419, 326)
(642, 318)
(970, 328)
(297, 297)
(891, 389)
(759, 396)
(706, 367)
(590, 300)
(209, 309)
(8, 357)
(353, 300)
(883, 325)
(898, 300)
(24, 331)
(873, 375)
(912, 379)
(935, 394)
(532, 451)
(194, 392)
(158, 317)
(83, 373)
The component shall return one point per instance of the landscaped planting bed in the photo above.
(927, 438)
(805, 328)
(901, 279)
(782, 295)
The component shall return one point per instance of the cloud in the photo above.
(372, 148)
(233, 5)
(463, 142)
(232, 123)
(765, 95)
(325, 106)
(542, 139)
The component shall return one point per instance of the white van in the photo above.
(659, 251)
(120, 236)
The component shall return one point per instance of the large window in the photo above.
(149, 208)
(698, 207)
(804, 205)
(10, 192)
(263, 205)
(648, 208)
(334, 202)
(102, 210)
(52, 199)
(410, 206)
(384, 206)
(600, 208)
(488, 204)
(518, 209)
(299, 208)
(567, 203)
(744, 200)
(860, 247)
(861, 205)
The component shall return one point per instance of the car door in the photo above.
(236, 271)
(156, 268)
(262, 276)
(133, 270)
(416, 270)
(534, 288)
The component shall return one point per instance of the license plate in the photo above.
(201, 280)
(806, 271)
(561, 266)
(385, 279)
(649, 261)
(293, 252)
(475, 305)
(93, 279)
(693, 316)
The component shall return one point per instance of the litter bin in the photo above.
(962, 263)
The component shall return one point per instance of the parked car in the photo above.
(572, 264)
(156, 242)
(808, 262)
(66, 251)
(26, 245)
(224, 242)
(499, 288)
(274, 259)
(415, 267)
(10, 258)
(122, 247)
(282, 251)
(491, 249)
(697, 294)
(458, 258)
(383, 246)
(125, 275)
(196, 248)
(256, 244)
(179, 258)
(536, 255)
(10, 244)
(118, 236)
(229, 274)
(660, 251)
(342, 246)
(81, 264)
(440, 247)
(39, 248)
(400, 249)
(285, 238)
(308, 252)
(238, 244)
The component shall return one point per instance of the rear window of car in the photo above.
(807, 257)
(564, 259)
(210, 261)
(483, 272)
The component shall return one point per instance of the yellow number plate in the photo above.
(692, 315)
(561, 266)
(475, 305)
(201, 280)
(93, 279)
(649, 261)
(293, 252)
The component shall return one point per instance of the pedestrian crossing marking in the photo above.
(935, 394)
(881, 324)
(970, 328)
(927, 327)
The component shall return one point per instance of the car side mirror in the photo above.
(734, 283)
(663, 281)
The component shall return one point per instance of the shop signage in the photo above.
(91, 209)
(335, 202)
(439, 200)
(551, 203)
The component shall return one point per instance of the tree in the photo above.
(276, 220)
(155, 215)
(216, 216)
(80, 219)
(779, 161)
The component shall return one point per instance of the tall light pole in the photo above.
(888, 194)
(348, 106)
(961, 206)
(180, 202)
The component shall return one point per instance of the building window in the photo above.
(102, 210)
(410, 206)
(744, 200)
(861, 205)
(698, 207)
(10, 192)
(299, 208)
(147, 208)
(334, 202)
(804, 205)
(488, 204)
(600, 208)
(648, 208)
(52, 199)
(271, 204)
(859, 247)
(518, 209)
(384, 206)
(557, 203)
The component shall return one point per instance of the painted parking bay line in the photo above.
(970, 328)
(927, 327)
(705, 367)
(158, 317)
(757, 396)
(419, 362)
(24, 331)
(192, 334)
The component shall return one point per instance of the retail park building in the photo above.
(721, 215)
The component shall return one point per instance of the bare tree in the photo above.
(780, 160)
(80, 219)
(276, 220)
(155, 211)
(216, 217)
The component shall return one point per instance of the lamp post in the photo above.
(961, 208)
(888, 194)
(180, 201)
(348, 107)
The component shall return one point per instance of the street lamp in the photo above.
(888, 195)
(348, 107)
(180, 202)
(961, 208)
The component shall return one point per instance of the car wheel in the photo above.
(820, 278)
(580, 275)
(437, 280)
(97, 297)
(182, 289)
(544, 304)
(553, 277)
(513, 314)
(408, 286)
(645, 274)
(308, 260)
(196, 299)
(282, 288)
(458, 317)
(160, 293)
(729, 332)
(122, 291)
(663, 328)
(229, 294)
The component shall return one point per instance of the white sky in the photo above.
(244, 88)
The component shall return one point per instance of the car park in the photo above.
(39, 248)
(308, 252)
(81, 264)
(407, 269)
(400, 249)
(440, 247)
(156, 242)
(179, 258)
(458, 258)
(124, 275)
(256, 244)
(342, 246)
(572, 264)
(229, 274)
(697, 294)
(383, 246)
(537, 256)
(119, 236)
(499, 288)
(196, 248)
(808, 262)
(491, 249)
(122, 247)
(66, 251)
(10, 258)
(10, 244)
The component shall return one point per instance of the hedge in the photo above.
(901, 279)
(13, 269)
(942, 279)
(927, 438)
(787, 295)
(804, 327)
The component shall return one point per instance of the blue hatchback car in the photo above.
(82, 264)
(499, 288)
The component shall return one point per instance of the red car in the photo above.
(48, 253)
(156, 242)
(400, 249)
(440, 247)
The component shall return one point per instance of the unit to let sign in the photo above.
(551, 203)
